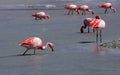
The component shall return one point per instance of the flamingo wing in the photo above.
(28, 41)
(95, 23)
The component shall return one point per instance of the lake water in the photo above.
(75, 53)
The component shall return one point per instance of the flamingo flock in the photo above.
(96, 24)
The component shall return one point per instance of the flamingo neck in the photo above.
(45, 46)
(91, 11)
(114, 10)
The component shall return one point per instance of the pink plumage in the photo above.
(107, 6)
(84, 8)
(40, 15)
(71, 8)
(35, 43)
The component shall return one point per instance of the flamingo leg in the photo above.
(93, 30)
(72, 12)
(77, 12)
(97, 36)
(100, 36)
(25, 51)
(34, 51)
(82, 12)
(88, 29)
(68, 12)
(35, 18)
(106, 10)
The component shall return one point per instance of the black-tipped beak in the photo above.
(52, 49)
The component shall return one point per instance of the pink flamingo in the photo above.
(107, 6)
(84, 8)
(40, 15)
(71, 8)
(98, 24)
(35, 43)
(86, 24)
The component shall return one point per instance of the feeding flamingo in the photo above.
(86, 24)
(35, 43)
(107, 6)
(84, 8)
(98, 24)
(71, 8)
(40, 15)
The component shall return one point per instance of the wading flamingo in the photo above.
(98, 24)
(35, 43)
(86, 24)
(84, 8)
(107, 6)
(40, 15)
(71, 8)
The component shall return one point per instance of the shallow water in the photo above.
(75, 53)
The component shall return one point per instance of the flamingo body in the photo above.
(35, 43)
(107, 6)
(98, 25)
(40, 15)
(71, 8)
(84, 8)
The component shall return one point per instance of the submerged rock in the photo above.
(112, 44)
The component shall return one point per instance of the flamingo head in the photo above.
(92, 12)
(48, 16)
(51, 45)
(97, 17)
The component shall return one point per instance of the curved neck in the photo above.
(114, 10)
(45, 46)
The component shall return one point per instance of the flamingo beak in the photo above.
(52, 49)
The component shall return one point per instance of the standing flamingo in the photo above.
(40, 15)
(71, 8)
(35, 43)
(98, 24)
(84, 8)
(86, 24)
(107, 6)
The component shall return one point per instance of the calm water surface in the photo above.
(75, 53)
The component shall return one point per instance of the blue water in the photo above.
(75, 53)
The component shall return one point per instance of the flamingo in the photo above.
(107, 6)
(86, 24)
(71, 8)
(98, 24)
(40, 15)
(85, 8)
(35, 43)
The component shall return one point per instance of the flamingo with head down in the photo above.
(35, 43)
(71, 8)
(107, 6)
(85, 8)
(86, 24)
(40, 15)
(98, 24)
